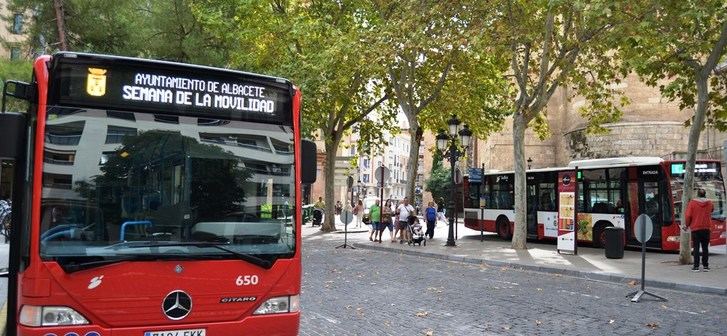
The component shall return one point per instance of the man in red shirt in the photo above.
(698, 219)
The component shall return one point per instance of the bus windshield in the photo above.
(122, 184)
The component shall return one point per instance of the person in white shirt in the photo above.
(403, 212)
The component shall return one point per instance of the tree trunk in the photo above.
(685, 256)
(415, 134)
(60, 24)
(518, 140)
(330, 171)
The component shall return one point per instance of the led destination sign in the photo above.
(133, 85)
(198, 93)
(678, 169)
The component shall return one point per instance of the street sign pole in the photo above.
(346, 218)
(644, 230)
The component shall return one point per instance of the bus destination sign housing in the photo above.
(168, 88)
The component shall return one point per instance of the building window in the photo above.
(106, 156)
(116, 134)
(59, 157)
(366, 178)
(166, 119)
(18, 23)
(121, 115)
(68, 134)
(15, 53)
(59, 181)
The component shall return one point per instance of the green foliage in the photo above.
(670, 46)
(439, 65)
(15, 70)
(439, 182)
(552, 44)
(319, 46)
(155, 29)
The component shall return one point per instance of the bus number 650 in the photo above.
(246, 280)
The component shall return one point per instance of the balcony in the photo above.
(63, 139)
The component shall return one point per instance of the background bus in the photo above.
(611, 192)
(160, 198)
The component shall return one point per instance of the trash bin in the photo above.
(614, 245)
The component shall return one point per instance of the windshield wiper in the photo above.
(266, 264)
(72, 264)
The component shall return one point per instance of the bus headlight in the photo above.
(672, 238)
(44, 316)
(281, 304)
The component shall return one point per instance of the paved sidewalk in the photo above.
(662, 269)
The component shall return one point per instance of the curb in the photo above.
(608, 277)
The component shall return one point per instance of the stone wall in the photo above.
(656, 138)
(650, 126)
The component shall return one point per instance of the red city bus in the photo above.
(154, 198)
(611, 192)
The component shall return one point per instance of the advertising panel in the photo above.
(567, 212)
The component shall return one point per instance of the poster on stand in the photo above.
(567, 212)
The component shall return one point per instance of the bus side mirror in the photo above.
(16, 89)
(308, 162)
(12, 127)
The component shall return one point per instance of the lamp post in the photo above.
(447, 145)
(530, 161)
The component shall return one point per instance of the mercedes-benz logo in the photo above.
(177, 305)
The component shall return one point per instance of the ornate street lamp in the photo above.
(447, 145)
(530, 161)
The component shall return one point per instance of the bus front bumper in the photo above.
(274, 324)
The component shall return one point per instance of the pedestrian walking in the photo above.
(387, 212)
(698, 219)
(320, 204)
(431, 216)
(339, 207)
(358, 213)
(375, 217)
(403, 212)
(395, 220)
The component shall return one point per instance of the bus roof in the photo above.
(71, 54)
(617, 161)
(475, 174)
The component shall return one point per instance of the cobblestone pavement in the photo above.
(365, 292)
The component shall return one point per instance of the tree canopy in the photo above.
(676, 46)
(438, 65)
(551, 45)
(320, 46)
(159, 29)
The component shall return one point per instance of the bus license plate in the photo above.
(185, 332)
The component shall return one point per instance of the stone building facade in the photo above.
(650, 126)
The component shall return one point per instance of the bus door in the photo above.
(650, 200)
(532, 206)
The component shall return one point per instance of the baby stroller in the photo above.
(416, 232)
(317, 217)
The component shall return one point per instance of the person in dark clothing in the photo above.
(431, 216)
(698, 218)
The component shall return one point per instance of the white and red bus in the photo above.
(154, 198)
(611, 192)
